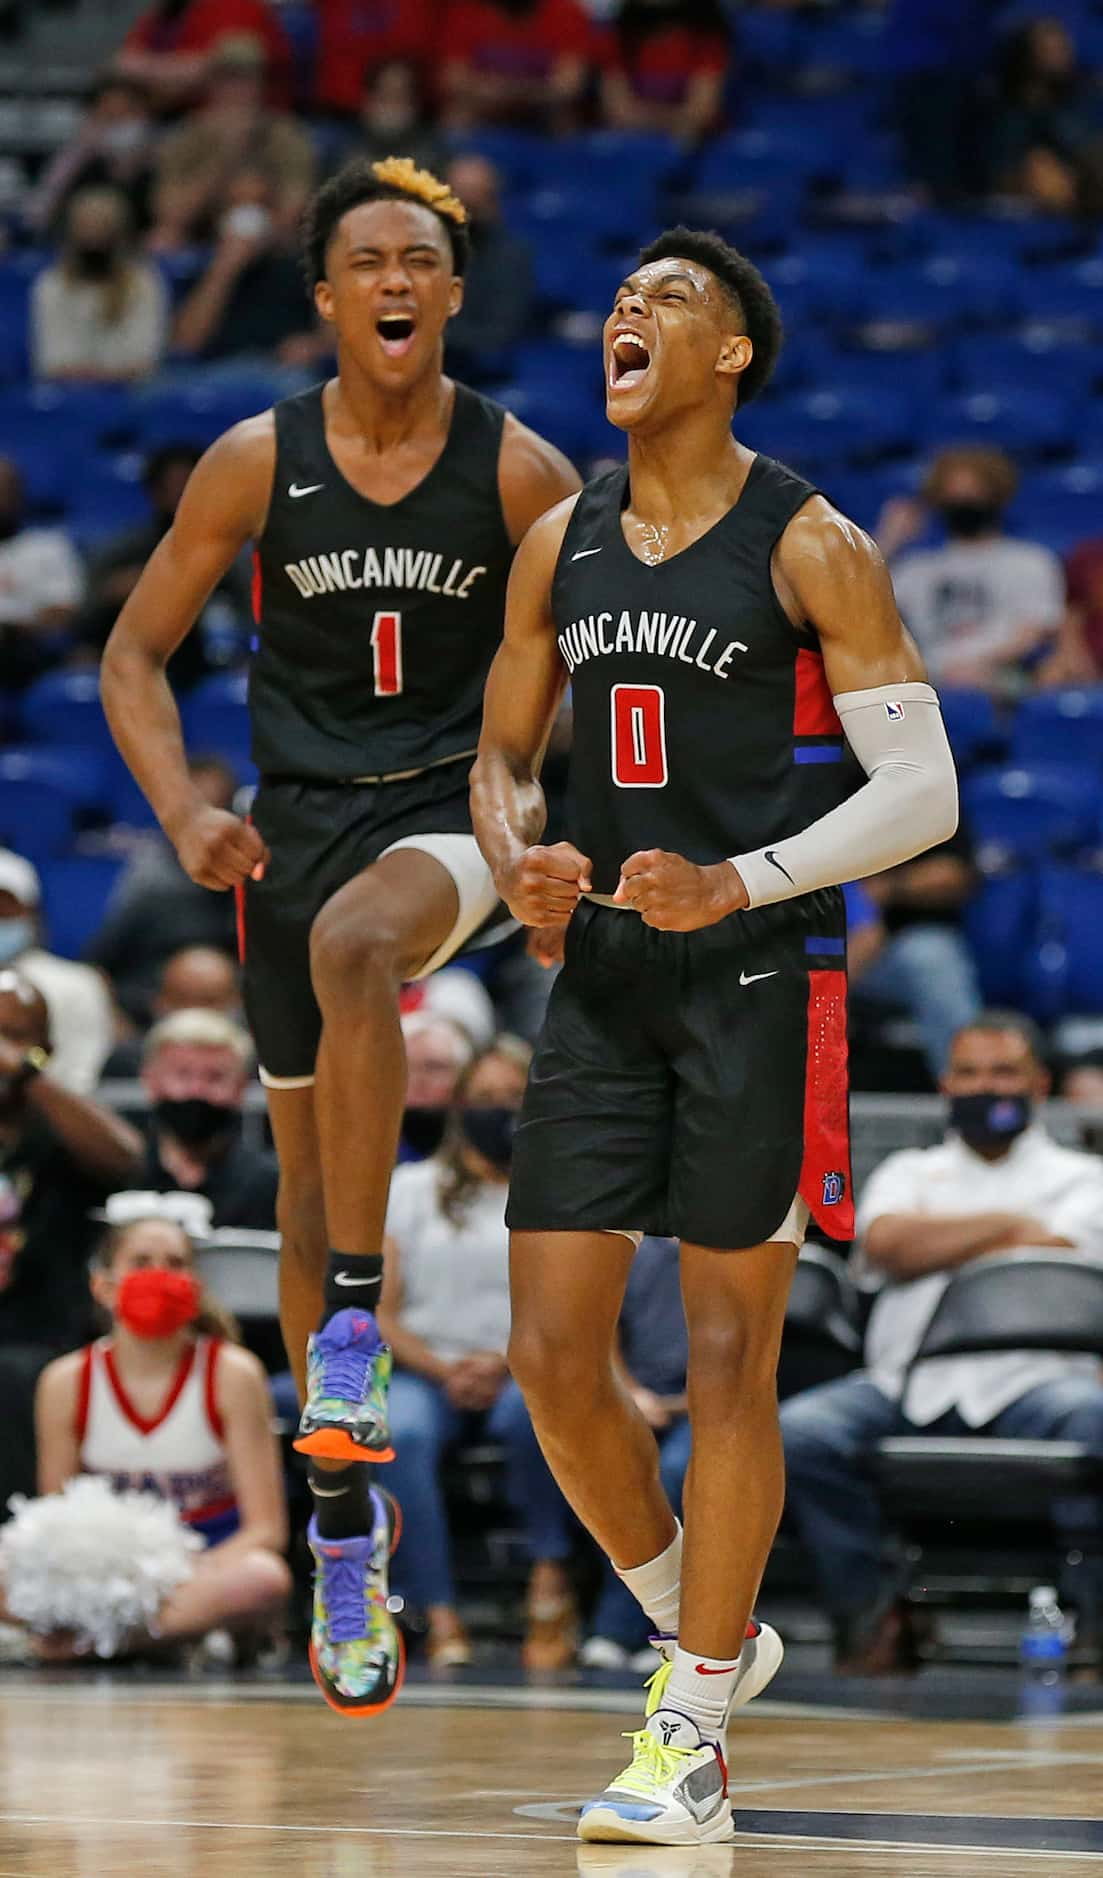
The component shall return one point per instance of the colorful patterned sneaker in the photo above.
(759, 1662)
(673, 1792)
(357, 1655)
(348, 1368)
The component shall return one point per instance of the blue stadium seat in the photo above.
(1060, 727)
(216, 716)
(1035, 360)
(1028, 812)
(1063, 974)
(198, 410)
(1069, 294)
(50, 454)
(830, 425)
(823, 284)
(36, 815)
(78, 772)
(64, 708)
(1000, 921)
(971, 725)
(525, 160)
(1027, 422)
(1061, 506)
(943, 292)
(852, 41)
(75, 892)
(757, 157)
(111, 498)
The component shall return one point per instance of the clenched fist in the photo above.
(675, 895)
(545, 885)
(218, 849)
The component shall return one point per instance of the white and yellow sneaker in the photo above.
(673, 1792)
(759, 1661)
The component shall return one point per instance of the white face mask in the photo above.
(16, 936)
(247, 219)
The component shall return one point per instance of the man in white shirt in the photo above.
(41, 582)
(982, 603)
(82, 1012)
(998, 1181)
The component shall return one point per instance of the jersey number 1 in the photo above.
(639, 737)
(386, 645)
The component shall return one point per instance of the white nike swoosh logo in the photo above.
(309, 490)
(583, 552)
(339, 1278)
(745, 978)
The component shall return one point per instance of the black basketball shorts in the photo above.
(691, 1083)
(320, 835)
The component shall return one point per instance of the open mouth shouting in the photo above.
(396, 333)
(629, 359)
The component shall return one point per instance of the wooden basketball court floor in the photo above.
(108, 1774)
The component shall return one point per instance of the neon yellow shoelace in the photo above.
(653, 1765)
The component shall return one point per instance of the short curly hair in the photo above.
(395, 179)
(745, 287)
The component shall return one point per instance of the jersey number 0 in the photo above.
(639, 736)
(386, 645)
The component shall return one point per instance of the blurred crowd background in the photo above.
(922, 183)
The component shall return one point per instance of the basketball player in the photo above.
(384, 507)
(727, 635)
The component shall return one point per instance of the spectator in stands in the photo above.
(113, 148)
(997, 1182)
(498, 282)
(60, 1156)
(197, 978)
(250, 299)
(40, 586)
(515, 61)
(196, 1067)
(455, 993)
(654, 1352)
(199, 159)
(394, 119)
(155, 910)
(665, 67)
(115, 568)
(437, 1053)
(81, 1013)
(98, 313)
(984, 606)
(171, 47)
(1041, 142)
(1082, 1080)
(921, 959)
(359, 37)
(1077, 657)
(445, 1311)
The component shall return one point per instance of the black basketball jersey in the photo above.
(703, 722)
(376, 623)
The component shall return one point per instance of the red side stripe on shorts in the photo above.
(814, 713)
(239, 909)
(826, 1183)
(258, 587)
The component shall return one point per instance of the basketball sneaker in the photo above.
(759, 1662)
(674, 1790)
(348, 1369)
(357, 1655)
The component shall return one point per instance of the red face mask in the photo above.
(156, 1303)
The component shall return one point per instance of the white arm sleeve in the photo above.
(908, 804)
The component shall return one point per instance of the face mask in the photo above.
(491, 1132)
(156, 1302)
(987, 1120)
(16, 935)
(93, 260)
(966, 520)
(250, 220)
(423, 1130)
(195, 1121)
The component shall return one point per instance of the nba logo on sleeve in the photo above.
(834, 1187)
(894, 712)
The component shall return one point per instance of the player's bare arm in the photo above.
(223, 507)
(532, 477)
(828, 573)
(541, 886)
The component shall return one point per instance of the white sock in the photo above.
(701, 1687)
(657, 1585)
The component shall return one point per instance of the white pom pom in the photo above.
(92, 1561)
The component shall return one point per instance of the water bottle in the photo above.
(1044, 1647)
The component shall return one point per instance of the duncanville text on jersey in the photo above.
(413, 569)
(670, 635)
